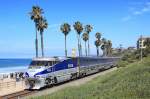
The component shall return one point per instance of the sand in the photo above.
(8, 86)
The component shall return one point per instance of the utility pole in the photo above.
(141, 46)
(141, 54)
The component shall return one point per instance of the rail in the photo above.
(17, 95)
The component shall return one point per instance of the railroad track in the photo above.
(17, 95)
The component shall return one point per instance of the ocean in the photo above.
(13, 65)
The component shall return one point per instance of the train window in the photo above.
(55, 62)
(50, 63)
(39, 63)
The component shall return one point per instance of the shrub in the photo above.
(122, 63)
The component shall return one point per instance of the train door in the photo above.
(52, 68)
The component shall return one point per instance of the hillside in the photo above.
(130, 82)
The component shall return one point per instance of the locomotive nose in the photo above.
(26, 75)
(32, 72)
(31, 83)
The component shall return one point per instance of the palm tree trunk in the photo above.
(42, 44)
(88, 48)
(85, 49)
(97, 51)
(65, 47)
(78, 45)
(108, 52)
(36, 40)
(105, 51)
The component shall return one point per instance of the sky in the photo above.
(121, 21)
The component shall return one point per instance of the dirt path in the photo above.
(68, 84)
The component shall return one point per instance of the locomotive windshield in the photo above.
(39, 63)
(42, 63)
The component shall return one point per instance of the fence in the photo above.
(11, 84)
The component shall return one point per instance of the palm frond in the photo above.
(78, 27)
(88, 28)
(65, 28)
(85, 36)
(98, 35)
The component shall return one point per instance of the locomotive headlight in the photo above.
(37, 76)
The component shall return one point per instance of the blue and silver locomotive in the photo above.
(47, 71)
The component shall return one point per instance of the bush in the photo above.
(122, 63)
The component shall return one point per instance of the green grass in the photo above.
(130, 82)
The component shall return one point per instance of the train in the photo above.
(53, 70)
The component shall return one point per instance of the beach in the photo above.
(12, 75)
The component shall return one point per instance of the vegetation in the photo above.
(146, 51)
(79, 28)
(103, 47)
(35, 16)
(42, 24)
(88, 29)
(106, 47)
(65, 28)
(98, 35)
(133, 56)
(85, 37)
(98, 42)
(109, 48)
(130, 82)
(147, 42)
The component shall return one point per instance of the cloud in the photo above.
(138, 11)
(147, 3)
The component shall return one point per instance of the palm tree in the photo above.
(65, 28)
(88, 29)
(147, 42)
(42, 24)
(85, 37)
(35, 16)
(109, 47)
(103, 47)
(98, 41)
(98, 35)
(79, 28)
(97, 44)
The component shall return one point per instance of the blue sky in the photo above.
(121, 21)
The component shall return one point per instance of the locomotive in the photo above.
(53, 70)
